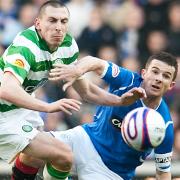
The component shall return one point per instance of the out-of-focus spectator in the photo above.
(27, 15)
(108, 52)
(79, 15)
(173, 96)
(38, 3)
(96, 34)
(11, 26)
(156, 41)
(1, 49)
(175, 117)
(156, 14)
(8, 23)
(8, 8)
(131, 63)
(174, 28)
(176, 153)
(130, 36)
(150, 178)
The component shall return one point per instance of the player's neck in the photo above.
(152, 102)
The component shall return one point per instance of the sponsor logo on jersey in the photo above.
(30, 89)
(27, 128)
(19, 63)
(162, 160)
(115, 70)
(116, 123)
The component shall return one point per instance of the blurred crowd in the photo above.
(126, 32)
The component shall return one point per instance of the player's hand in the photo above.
(133, 95)
(67, 73)
(65, 105)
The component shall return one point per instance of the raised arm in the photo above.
(92, 93)
(12, 91)
(88, 91)
(72, 72)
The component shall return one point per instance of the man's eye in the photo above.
(166, 76)
(64, 22)
(155, 72)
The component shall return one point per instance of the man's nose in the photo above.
(59, 26)
(159, 77)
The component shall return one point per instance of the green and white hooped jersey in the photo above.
(29, 59)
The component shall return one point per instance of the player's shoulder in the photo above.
(163, 109)
(29, 34)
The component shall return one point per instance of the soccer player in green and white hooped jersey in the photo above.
(30, 59)
(23, 68)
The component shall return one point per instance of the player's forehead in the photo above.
(163, 66)
(56, 12)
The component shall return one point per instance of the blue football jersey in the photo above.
(105, 131)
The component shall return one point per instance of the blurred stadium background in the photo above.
(123, 31)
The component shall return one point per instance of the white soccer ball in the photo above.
(143, 128)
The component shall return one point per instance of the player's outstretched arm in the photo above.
(92, 93)
(12, 91)
(163, 175)
(70, 73)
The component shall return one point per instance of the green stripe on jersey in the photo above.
(20, 71)
(70, 60)
(5, 107)
(67, 41)
(1, 63)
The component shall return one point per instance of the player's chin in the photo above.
(155, 94)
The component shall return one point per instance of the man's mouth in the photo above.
(156, 87)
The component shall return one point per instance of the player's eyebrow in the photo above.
(167, 72)
(56, 19)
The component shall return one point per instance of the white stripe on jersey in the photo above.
(66, 52)
(168, 123)
(105, 69)
(37, 75)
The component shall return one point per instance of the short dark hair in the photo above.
(53, 3)
(166, 58)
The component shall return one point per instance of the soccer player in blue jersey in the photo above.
(98, 147)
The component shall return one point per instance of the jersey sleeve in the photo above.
(16, 61)
(163, 152)
(117, 76)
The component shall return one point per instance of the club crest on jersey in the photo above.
(19, 63)
(58, 61)
(27, 128)
(115, 70)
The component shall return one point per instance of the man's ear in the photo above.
(172, 85)
(37, 23)
(143, 72)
